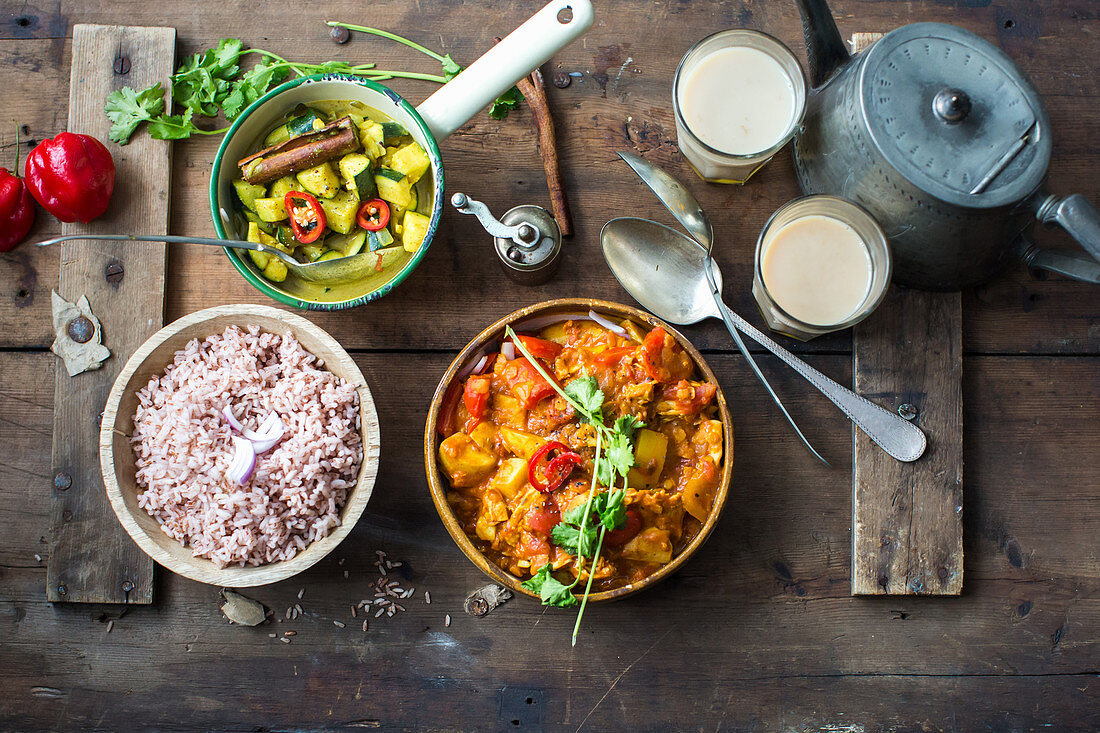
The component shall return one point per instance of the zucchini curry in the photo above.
(519, 456)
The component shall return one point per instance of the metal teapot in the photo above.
(946, 142)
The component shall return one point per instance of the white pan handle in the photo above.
(521, 52)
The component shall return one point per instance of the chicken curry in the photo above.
(519, 457)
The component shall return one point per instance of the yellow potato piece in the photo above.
(651, 545)
(465, 461)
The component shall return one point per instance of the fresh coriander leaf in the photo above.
(587, 393)
(223, 59)
(451, 69)
(627, 424)
(550, 590)
(574, 515)
(569, 538)
(609, 507)
(605, 471)
(253, 85)
(127, 109)
(505, 103)
(172, 127)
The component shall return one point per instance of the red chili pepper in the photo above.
(16, 205)
(373, 215)
(555, 475)
(307, 218)
(72, 176)
(525, 382)
(540, 348)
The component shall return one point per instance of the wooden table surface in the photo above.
(758, 631)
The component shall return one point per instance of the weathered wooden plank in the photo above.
(907, 517)
(761, 614)
(91, 559)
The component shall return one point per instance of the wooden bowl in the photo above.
(537, 314)
(116, 456)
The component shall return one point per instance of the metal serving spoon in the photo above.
(679, 201)
(329, 272)
(664, 271)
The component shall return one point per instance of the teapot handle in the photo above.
(1074, 266)
(825, 49)
(1077, 216)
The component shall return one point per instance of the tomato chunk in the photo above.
(625, 533)
(525, 383)
(545, 518)
(476, 396)
(539, 348)
(689, 399)
(663, 358)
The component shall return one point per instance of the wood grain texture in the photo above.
(907, 517)
(757, 631)
(117, 454)
(91, 560)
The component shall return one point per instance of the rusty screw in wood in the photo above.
(81, 330)
(114, 272)
(907, 411)
(62, 481)
(478, 607)
(339, 35)
(562, 79)
(62, 590)
(127, 586)
(122, 65)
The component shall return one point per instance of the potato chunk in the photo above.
(520, 442)
(465, 461)
(510, 477)
(649, 458)
(651, 545)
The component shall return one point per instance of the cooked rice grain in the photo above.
(183, 447)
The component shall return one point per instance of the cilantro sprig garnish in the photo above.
(210, 83)
(578, 533)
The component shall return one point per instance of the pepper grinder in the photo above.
(526, 238)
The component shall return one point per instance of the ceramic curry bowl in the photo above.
(536, 317)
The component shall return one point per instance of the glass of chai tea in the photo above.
(739, 96)
(822, 265)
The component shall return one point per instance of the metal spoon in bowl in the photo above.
(664, 271)
(328, 272)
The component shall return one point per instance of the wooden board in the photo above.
(91, 559)
(907, 517)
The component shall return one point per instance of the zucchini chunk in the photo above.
(320, 180)
(282, 187)
(248, 193)
(379, 239)
(414, 228)
(271, 210)
(393, 187)
(358, 173)
(411, 160)
(340, 211)
(371, 137)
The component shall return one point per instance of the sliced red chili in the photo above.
(539, 348)
(307, 218)
(373, 215)
(554, 475)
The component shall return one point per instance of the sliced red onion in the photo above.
(227, 413)
(264, 431)
(482, 364)
(508, 349)
(271, 432)
(244, 461)
(614, 327)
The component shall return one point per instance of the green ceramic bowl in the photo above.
(244, 137)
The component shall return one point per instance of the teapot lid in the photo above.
(953, 114)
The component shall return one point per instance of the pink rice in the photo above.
(183, 447)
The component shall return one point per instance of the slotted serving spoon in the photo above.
(329, 272)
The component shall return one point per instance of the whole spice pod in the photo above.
(72, 176)
(16, 206)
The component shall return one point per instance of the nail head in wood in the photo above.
(62, 590)
(907, 411)
(562, 80)
(81, 330)
(62, 481)
(114, 273)
(127, 586)
(339, 35)
(122, 65)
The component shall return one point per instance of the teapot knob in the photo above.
(951, 105)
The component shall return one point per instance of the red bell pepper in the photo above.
(525, 382)
(476, 396)
(539, 348)
(16, 210)
(72, 176)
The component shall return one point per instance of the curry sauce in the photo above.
(498, 421)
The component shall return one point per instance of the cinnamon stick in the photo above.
(300, 152)
(534, 91)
